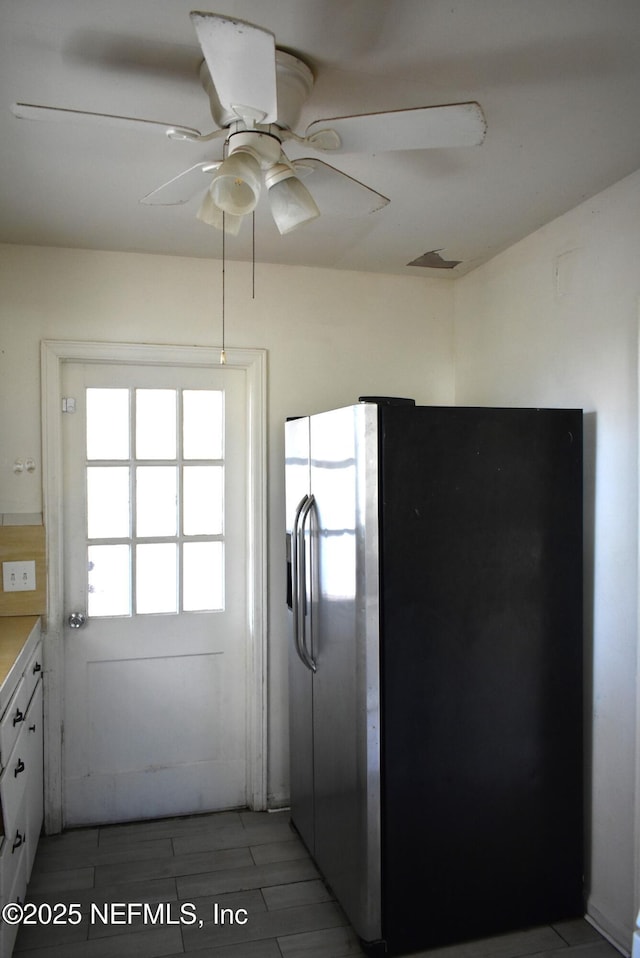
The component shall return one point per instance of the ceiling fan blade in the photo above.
(242, 62)
(336, 193)
(429, 127)
(31, 111)
(182, 187)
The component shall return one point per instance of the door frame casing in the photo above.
(54, 354)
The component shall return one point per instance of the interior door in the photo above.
(155, 517)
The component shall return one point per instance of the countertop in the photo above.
(14, 632)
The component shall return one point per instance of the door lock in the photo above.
(77, 620)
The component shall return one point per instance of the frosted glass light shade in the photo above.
(236, 186)
(212, 216)
(291, 204)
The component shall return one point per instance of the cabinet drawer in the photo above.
(33, 671)
(13, 782)
(13, 857)
(13, 888)
(12, 720)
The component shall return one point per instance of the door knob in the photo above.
(77, 620)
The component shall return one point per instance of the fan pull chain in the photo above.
(253, 257)
(223, 355)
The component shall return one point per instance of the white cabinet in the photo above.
(21, 775)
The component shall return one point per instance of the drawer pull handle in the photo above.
(19, 840)
(32, 728)
(37, 668)
(17, 718)
(19, 768)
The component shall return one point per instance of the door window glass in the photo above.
(202, 500)
(156, 501)
(109, 580)
(156, 577)
(202, 423)
(107, 423)
(203, 576)
(163, 509)
(156, 430)
(108, 506)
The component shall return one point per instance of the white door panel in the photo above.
(155, 697)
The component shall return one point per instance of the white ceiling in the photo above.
(558, 80)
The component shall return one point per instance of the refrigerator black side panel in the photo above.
(481, 664)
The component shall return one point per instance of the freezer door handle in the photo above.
(303, 651)
(295, 578)
(298, 583)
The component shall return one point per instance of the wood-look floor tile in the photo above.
(265, 818)
(236, 837)
(296, 893)
(167, 827)
(203, 837)
(325, 943)
(279, 830)
(534, 941)
(77, 838)
(155, 889)
(172, 867)
(154, 942)
(268, 924)
(38, 936)
(246, 904)
(65, 879)
(278, 852)
(243, 861)
(577, 932)
(50, 860)
(267, 948)
(592, 949)
(244, 879)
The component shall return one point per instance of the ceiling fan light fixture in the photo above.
(236, 186)
(210, 214)
(291, 203)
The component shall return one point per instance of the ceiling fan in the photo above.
(256, 93)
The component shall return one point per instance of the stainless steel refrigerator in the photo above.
(434, 560)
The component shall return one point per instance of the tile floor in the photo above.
(248, 863)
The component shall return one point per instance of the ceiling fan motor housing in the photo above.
(264, 147)
(294, 82)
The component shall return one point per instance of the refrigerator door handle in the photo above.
(295, 578)
(302, 650)
(298, 584)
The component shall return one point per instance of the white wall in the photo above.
(554, 321)
(331, 336)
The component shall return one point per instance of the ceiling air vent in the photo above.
(433, 260)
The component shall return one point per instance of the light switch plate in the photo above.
(19, 576)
